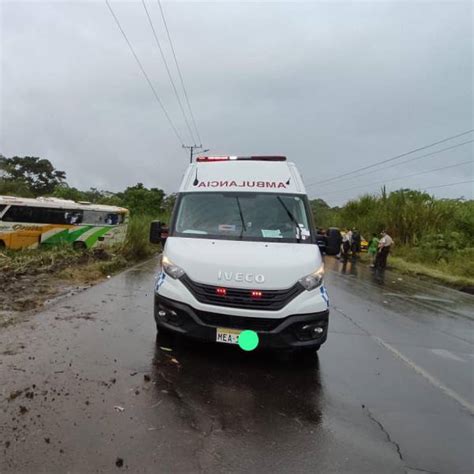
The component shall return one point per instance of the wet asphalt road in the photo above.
(84, 388)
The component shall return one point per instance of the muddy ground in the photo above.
(29, 280)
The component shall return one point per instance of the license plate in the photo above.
(227, 336)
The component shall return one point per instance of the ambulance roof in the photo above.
(252, 174)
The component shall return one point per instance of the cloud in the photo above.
(335, 86)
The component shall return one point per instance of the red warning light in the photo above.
(221, 291)
(256, 294)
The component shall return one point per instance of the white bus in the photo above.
(29, 223)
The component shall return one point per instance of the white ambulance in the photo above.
(241, 255)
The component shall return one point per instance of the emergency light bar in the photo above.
(204, 159)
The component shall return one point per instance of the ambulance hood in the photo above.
(243, 264)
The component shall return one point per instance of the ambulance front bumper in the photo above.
(293, 331)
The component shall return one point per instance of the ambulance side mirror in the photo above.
(158, 232)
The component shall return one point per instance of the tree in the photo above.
(38, 174)
(94, 195)
(322, 213)
(141, 200)
(168, 203)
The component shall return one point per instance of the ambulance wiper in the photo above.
(244, 228)
(292, 217)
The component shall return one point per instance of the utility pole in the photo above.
(191, 149)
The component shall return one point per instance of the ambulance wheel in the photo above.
(79, 245)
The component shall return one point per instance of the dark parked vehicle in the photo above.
(334, 240)
(322, 241)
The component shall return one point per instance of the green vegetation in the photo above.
(35, 176)
(31, 177)
(106, 260)
(137, 246)
(433, 237)
(49, 271)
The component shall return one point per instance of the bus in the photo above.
(46, 221)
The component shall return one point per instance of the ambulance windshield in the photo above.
(243, 216)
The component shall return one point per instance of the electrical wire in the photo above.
(405, 161)
(450, 184)
(179, 73)
(391, 159)
(401, 177)
(158, 44)
(175, 130)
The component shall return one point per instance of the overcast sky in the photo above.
(333, 85)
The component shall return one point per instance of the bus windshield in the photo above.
(243, 216)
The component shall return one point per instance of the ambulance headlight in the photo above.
(313, 280)
(171, 269)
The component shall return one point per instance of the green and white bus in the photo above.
(29, 223)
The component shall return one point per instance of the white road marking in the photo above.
(447, 354)
(430, 378)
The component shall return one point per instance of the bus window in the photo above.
(39, 215)
(19, 214)
(73, 217)
(113, 219)
(95, 217)
(102, 218)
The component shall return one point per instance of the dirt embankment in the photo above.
(29, 278)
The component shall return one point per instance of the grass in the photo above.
(449, 273)
(137, 246)
(62, 262)
(440, 273)
(49, 272)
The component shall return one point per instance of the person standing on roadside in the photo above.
(355, 244)
(372, 249)
(385, 244)
(346, 245)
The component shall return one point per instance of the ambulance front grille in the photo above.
(270, 300)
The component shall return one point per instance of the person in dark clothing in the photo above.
(355, 244)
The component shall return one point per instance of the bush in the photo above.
(137, 245)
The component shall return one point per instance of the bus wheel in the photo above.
(79, 245)
(2, 244)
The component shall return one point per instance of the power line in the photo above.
(392, 158)
(145, 74)
(402, 177)
(168, 71)
(450, 184)
(179, 72)
(407, 161)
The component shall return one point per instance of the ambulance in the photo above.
(240, 254)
